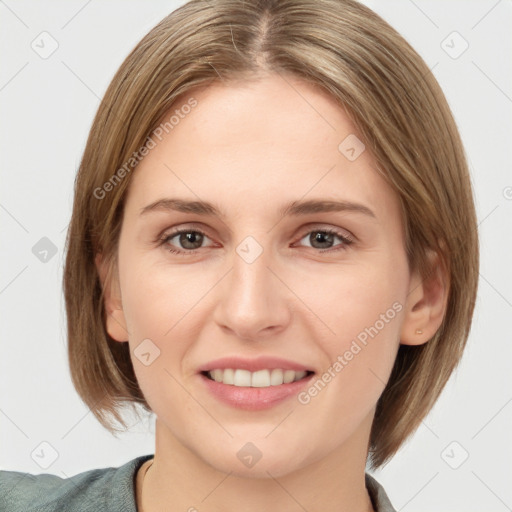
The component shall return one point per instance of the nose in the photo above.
(254, 302)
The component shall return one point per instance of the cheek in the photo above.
(158, 298)
(362, 310)
(351, 299)
(155, 306)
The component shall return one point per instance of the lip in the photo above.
(254, 399)
(249, 398)
(253, 365)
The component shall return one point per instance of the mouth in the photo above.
(259, 379)
(254, 384)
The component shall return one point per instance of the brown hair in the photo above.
(395, 103)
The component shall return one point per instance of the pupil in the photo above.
(322, 237)
(188, 238)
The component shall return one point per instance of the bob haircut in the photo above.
(392, 98)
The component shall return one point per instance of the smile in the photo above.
(258, 379)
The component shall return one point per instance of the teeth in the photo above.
(227, 376)
(242, 378)
(259, 379)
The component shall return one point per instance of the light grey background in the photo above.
(47, 106)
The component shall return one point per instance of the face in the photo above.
(294, 270)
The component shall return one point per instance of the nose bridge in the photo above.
(252, 300)
(251, 274)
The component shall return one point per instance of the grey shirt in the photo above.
(98, 490)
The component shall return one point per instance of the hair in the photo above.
(394, 101)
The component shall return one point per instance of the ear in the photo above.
(426, 303)
(115, 320)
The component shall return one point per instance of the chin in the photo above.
(261, 459)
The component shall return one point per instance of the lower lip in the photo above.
(254, 399)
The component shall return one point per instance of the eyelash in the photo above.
(347, 241)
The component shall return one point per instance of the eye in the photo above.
(189, 239)
(323, 239)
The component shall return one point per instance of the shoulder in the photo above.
(380, 500)
(94, 490)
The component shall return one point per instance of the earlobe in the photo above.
(426, 304)
(115, 320)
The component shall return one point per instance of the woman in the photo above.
(273, 248)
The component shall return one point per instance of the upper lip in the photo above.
(253, 365)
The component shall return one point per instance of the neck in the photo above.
(180, 480)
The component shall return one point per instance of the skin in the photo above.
(250, 149)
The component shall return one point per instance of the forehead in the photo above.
(245, 144)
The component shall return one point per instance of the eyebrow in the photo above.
(295, 208)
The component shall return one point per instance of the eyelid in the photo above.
(326, 227)
(346, 236)
(173, 232)
(304, 230)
